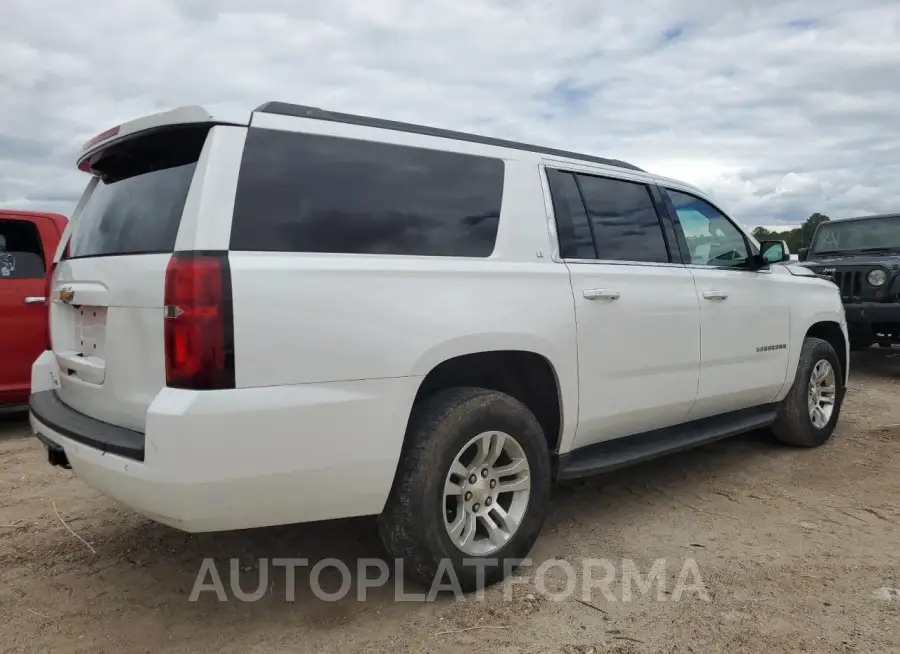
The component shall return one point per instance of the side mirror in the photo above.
(775, 251)
(801, 253)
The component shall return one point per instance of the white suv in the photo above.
(295, 315)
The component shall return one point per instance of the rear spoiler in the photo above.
(187, 115)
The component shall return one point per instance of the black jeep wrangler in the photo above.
(862, 256)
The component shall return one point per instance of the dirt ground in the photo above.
(795, 548)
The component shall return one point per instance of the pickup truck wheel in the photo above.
(471, 491)
(809, 413)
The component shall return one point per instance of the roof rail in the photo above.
(301, 111)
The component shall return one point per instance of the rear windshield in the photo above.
(312, 193)
(136, 205)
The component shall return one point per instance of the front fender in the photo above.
(821, 305)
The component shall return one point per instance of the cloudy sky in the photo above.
(778, 109)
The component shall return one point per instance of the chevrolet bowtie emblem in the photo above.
(66, 294)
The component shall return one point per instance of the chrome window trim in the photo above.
(660, 264)
(625, 176)
(700, 266)
(550, 213)
(618, 262)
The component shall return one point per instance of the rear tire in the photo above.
(418, 519)
(798, 423)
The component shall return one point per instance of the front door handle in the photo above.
(715, 295)
(600, 294)
(35, 300)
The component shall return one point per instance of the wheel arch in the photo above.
(828, 324)
(527, 375)
(832, 332)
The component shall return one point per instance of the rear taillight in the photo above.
(102, 136)
(198, 322)
(85, 164)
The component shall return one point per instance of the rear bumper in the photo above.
(222, 460)
(50, 411)
(872, 312)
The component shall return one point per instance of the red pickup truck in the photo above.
(28, 242)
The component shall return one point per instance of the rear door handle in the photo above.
(35, 300)
(715, 295)
(600, 294)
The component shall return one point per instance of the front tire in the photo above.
(808, 414)
(472, 488)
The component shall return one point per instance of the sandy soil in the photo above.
(792, 546)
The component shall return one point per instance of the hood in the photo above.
(800, 270)
(886, 260)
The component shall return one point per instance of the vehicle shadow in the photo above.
(329, 575)
(247, 574)
(14, 424)
(877, 361)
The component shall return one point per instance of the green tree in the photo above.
(808, 228)
(796, 238)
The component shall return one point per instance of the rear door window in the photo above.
(21, 254)
(312, 193)
(572, 226)
(136, 206)
(624, 220)
(619, 216)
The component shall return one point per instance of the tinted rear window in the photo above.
(573, 229)
(623, 219)
(137, 204)
(312, 193)
(21, 254)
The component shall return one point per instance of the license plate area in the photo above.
(84, 356)
(90, 331)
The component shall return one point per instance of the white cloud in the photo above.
(778, 109)
(794, 184)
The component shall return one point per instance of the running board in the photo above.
(621, 452)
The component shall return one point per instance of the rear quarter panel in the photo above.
(302, 318)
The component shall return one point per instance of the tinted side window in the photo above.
(572, 229)
(21, 255)
(623, 219)
(712, 239)
(313, 193)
